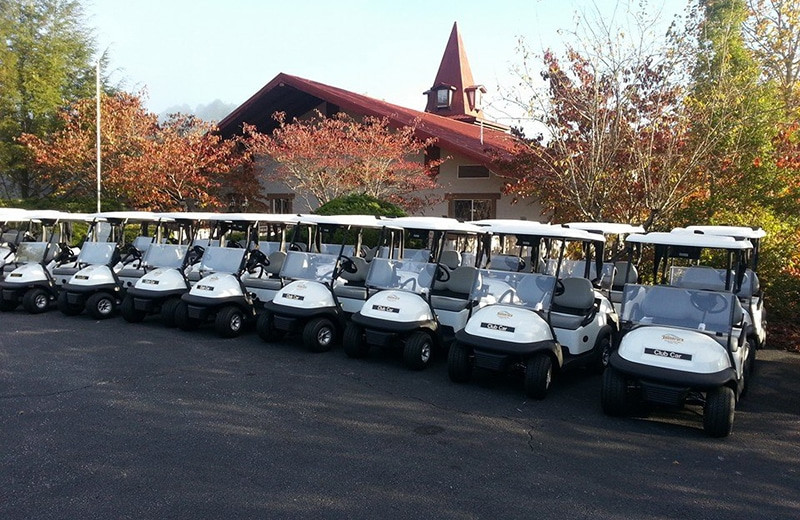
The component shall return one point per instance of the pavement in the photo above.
(105, 419)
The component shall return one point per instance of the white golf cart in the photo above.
(418, 303)
(228, 292)
(13, 224)
(538, 324)
(31, 281)
(166, 265)
(326, 285)
(104, 270)
(682, 343)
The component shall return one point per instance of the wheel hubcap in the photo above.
(606, 355)
(40, 301)
(104, 306)
(236, 322)
(548, 378)
(325, 336)
(426, 352)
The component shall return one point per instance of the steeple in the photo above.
(454, 93)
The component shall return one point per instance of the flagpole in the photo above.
(97, 89)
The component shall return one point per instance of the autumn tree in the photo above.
(322, 159)
(146, 164)
(45, 62)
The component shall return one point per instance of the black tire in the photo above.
(8, 305)
(167, 314)
(67, 308)
(319, 335)
(266, 328)
(100, 305)
(459, 365)
(603, 347)
(418, 350)
(751, 358)
(614, 397)
(36, 300)
(354, 343)
(538, 376)
(718, 411)
(229, 322)
(129, 312)
(182, 319)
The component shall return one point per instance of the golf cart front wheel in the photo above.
(354, 343)
(229, 322)
(614, 397)
(266, 327)
(67, 308)
(418, 350)
(538, 376)
(319, 335)
(182, 318)
(100, 305)
(459, 365)
(36, 301)
(168, 311)
(129, 312)
(718, 411)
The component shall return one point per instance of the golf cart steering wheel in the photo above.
(442, 274)
(708, 301)
(195, 254)
(256, 259)
(131, 254)
(64, 254)
(297, 246)
(559, 290)
(346, 264)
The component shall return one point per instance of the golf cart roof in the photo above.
(730, 231)
(192, 215)
(363, 221)
(435, 224)
(607, 228)
(267, 218)
(139, 216)
(530, 228)
(53, 215)
(685, 239)
(13, 214)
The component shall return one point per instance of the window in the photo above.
(472, 209)
(473, 172)
(279, 203)
(443, 98)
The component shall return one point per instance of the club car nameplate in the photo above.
(386, 308)
(149, 281)
(204, 287)
(15, 275)
(81, 277)
(498, 327)
(667, 354)
(290, 296)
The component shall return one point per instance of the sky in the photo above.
(191, 52)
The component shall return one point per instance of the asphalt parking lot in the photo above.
(113, 420)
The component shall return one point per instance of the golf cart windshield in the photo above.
(31, 252)
(707, 311)
(529, 290)
(577, 268)
(401, 274)
(308, 266)
(97, 253)
(222, 259)
(165, 255)
(10, 237)
(698, 277)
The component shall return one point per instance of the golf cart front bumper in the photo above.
(77, 294)
(383, 332)
(494, 354)
(669, 386)
(201, 308)
(290, 319)
(147, 300)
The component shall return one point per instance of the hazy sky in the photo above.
(195, 51)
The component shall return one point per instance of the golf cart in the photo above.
(418, 304)
(166, 265)
(536, 323)
(685, 342)
(106, 264)
(31, 281)
(13, 224)
(227, 293)
(326, 285)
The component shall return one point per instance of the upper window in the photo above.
(473, 172)
(443, 96)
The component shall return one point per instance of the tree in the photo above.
(359, 204)
(45, 63)
(180, 163)
(326, 158)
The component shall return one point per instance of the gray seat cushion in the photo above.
(353, 292)
(574, 305)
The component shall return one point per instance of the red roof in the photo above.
(296, 96)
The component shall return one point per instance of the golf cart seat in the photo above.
(453, 295)
(354, 282)
(450, 259)
(621, 277)
(701, 277)
(507, 263)
(575, 306)
(750, 285)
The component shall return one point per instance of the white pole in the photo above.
(97, 85)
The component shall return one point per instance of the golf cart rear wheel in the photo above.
(129, 312)
(459, 365)
(319, 335)
(168, 311)
(229, 322)
(67, 308)
(266, 327)
(538, 376)
(36, 301)
(614, 397)
(418, 350)
(100, 305)
(182, 318)
(718, 411)
(603, 347)
(354, 343)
